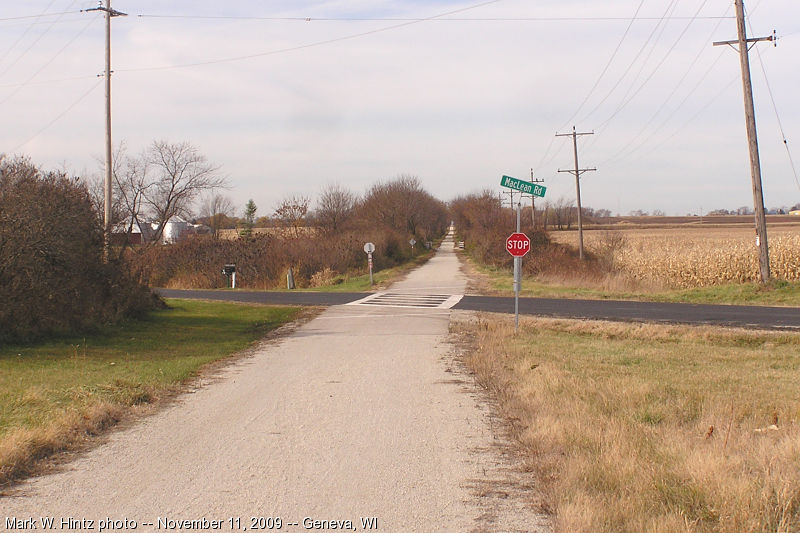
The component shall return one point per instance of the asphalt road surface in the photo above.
(673, 313)
(363, 412)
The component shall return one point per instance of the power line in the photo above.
(775, 108)
(669, 97)
(666, 120)
(25, 17)
(60, 115)
(663, 17)
(670, 7)
(599, 78)
(694, 117)
(310, 45)
(39, 38)
(397, 19)
(32, 76)
(650, 76)
(46, 82)
(21, 37)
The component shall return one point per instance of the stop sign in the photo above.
(518, 244)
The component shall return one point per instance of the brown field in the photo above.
(682, 252)
(301, 231)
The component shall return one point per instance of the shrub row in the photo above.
(484, 225)
(52, 275)
(262, 261)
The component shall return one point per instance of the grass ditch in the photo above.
(56, 394)
(634, 427)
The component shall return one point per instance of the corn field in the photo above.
(681, 259)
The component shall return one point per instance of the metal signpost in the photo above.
(518, 244)
(369, 248)
(412, 242)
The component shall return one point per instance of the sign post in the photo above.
(369, 248)
(518, 244)
(412, 242)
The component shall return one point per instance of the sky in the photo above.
(289, 96)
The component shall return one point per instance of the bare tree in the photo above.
(292, 211)
(181, 173)
(564, 212)
(403, 205)
(130, 181)
(216, 208)
(335, 205)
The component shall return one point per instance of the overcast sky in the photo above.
(286, 105)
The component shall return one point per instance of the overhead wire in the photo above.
(669, 97)
(27, 82)
(312, 44)
(691, 92)
(670, 9)
(775, 109)
(46, 82)
(669, 117)
(43, 14)
(653, 72)
(597, 81)
(60, 115)
(21, 37)
(39, 38)
(702, 109)
(397, 19)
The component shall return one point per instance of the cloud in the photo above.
(457, 103)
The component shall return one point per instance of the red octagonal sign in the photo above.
(518, 244)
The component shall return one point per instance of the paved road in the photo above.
(362, 412)
(726, 315)
(674, 313)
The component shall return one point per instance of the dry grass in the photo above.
(651, 428)
(687, 257)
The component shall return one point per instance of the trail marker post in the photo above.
(369, 248)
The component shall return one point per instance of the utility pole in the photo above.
(533, 204)
(511, 193)
(577, 172)
(107, 187)
(743, 44)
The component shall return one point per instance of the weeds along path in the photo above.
(362, 412)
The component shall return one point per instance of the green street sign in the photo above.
(525, 186)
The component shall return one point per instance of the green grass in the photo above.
(777, 293)
(48, 387)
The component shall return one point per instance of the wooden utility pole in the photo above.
(743, 44)
(107, 186)
(533, 203)
(577, 172)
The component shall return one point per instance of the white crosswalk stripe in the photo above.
(416, 301)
